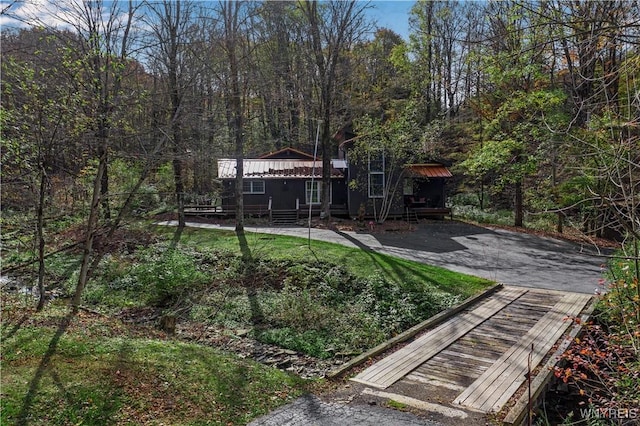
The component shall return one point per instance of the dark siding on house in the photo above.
(360, 196)
(283, 193)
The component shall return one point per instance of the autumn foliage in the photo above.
(604, 361)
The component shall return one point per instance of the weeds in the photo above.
(316, 307)
(604, 362)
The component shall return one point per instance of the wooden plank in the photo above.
(496, 385)
(513, 362)
(490, 340)
(406, 335)
(519, 411)
(470, 356)
(391, 368)
(432, 381)
(465, 367)
(387, 371)
(447, 374)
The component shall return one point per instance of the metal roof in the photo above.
(429, 170)
(275, 168)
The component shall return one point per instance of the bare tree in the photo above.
(170, 24)
(333, 27)
(234, 43)
(104, 33)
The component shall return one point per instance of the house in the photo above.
(287, 184)
(418, 190)
(284, 182)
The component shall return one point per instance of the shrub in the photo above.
(169, 276)
(604, 361)
(465, 199)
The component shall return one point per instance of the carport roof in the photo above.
(429, 171)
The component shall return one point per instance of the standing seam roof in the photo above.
(274, 168)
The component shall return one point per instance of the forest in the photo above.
(535, 105)
(117, 111)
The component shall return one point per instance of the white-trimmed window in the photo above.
(376, 174)
(407, 187)
(252, 186)
(312, 192)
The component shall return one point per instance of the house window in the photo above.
(253, 186)
(313, 191)
(407, 188)
(376, 174)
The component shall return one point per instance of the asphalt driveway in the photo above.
(508, 257)
(504, 256)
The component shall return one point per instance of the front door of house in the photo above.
(283, 196)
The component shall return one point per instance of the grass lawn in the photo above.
(93, 369)
(96, 371)
(359, 262)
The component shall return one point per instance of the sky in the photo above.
(392, 14)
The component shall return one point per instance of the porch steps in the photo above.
(283, 217)
(410, 216)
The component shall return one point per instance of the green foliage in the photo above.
(168, 275)
(487, 216)
(397, 138)
(164, 183)
(282, 294)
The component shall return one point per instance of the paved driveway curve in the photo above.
(504, 256)
(508, 257)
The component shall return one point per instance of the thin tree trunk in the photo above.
(519, 210)
(40, 238)
(90, 233)
(326, 168)
(103, 133)
(177, 178)
(231, 11)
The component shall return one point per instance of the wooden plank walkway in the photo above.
(397, 365)
(498, 383)
(477, 360)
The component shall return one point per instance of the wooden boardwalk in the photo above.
(479, 357)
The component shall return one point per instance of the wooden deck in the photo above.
(478, 359)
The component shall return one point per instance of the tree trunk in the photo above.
(103, 134)
(90, 233)
(40, 238)
(178, 181)
(519, 207)
(326, 169)
(230, 11)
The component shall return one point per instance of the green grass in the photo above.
(359, 262)
(320, 301)
(96, 372)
